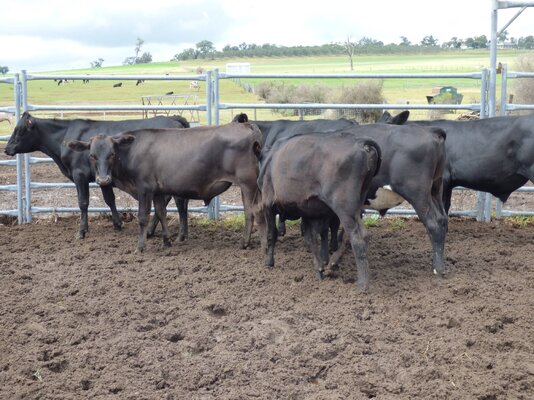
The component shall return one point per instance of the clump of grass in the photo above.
(371, 221)
(233, 223)
(521, 221)
(397, 224)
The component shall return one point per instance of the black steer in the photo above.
(319, 177)
(494, 155)
(49, 136)
(196, 163)
(412, 170)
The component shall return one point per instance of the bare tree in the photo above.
(350, 49)
(138, 45)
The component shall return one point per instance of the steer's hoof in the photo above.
(181, 238)
(138, 251)
(118, 226)
(319, 275)
(167, 243)
(363, 286)
(81, 235)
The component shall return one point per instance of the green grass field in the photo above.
(396, 91)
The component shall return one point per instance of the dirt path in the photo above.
(204, 320)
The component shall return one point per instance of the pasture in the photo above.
(203, 319)
(397, 91)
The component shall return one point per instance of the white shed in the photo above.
(238, 68)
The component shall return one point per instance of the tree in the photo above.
(205, 49)
(477, 42)
(97, 63)
(503, 37)
(454, 43)
(187, 54)
(144, 59)
(429, 41)
(138, 45)
(4, 70)
(526, 42)
(350, 48)
(404, 41)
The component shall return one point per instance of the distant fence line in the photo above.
(212, 108)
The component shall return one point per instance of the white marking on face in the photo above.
(386, 198)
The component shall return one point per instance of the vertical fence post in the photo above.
(215, 203)
(27, 171)
(502, 112)
(484, 95)
(20, 183)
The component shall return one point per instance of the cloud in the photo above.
(60, 34)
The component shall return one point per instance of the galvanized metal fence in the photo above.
(24, 187)
(483, 210)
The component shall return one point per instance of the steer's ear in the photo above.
(241, 118)
(78, 145)
(256, 148)
(123, 139)
(400, 119)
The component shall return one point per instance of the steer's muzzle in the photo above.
(103, 180)
(9, 150)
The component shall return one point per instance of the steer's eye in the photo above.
(92, 156)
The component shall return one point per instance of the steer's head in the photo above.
(24, 138)
(101, 153)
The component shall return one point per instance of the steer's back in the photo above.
(194, 158)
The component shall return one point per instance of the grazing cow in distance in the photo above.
(62, 81)
(49, 136)
(319, 177)
(169, 93)
(196, 163)
(194, 85)
(85, 80)
(4, 116)
(139, 82)
(117, 84)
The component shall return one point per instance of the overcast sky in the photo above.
(39, 35)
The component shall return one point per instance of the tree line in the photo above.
(205, 49)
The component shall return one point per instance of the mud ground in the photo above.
(88, 319)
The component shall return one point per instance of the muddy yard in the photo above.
(88, 319)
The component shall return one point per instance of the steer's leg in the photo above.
(334, 228)
(354, 227)
(160, 207)
(271, 235)
(431, 212)
(281, 224)
(310, 230)
(182, 204)
(109, 198)
(155, 220)
(145, 203)
(250, 196)
(336, 256)
(82, 187)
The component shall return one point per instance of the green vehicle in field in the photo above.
(444, 95)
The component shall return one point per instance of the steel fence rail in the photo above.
(212, 80)
(27, 106)
(483, 211)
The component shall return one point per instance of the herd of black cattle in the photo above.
(325, 172)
